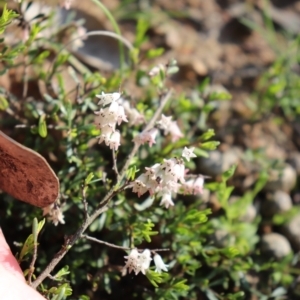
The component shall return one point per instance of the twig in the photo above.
(35, 245)
(116, 246)
(115, 167)
(85, 204)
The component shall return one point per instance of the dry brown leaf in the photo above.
(25, 174)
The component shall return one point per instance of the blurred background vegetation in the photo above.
(237, 83)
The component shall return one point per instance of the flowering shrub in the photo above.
(130, 179)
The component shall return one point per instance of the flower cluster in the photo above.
(168, 178)
(108, 117)
(54, 213)
(140, 262)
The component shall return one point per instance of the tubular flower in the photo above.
(159, 264)
(138, 262)
(108, 117)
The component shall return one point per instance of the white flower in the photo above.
(171, 127)
(144, 261)
(165, 122)
(156, 69)
(138, 262)
(188, 153)
(54, 214)
(166, 200)
(132, 261)
(114, 141)
(134, 116)
(146, 137)
(159, 264)
(108, 98)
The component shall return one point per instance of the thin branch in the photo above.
(115, 167)
(71, 240)
(85, 204)
(116, 246)
(35, 245)
(31, 267)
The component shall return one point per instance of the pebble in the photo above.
(284, 179)
(277, 202)
(292, 231)
(219, 162)
(221, 238)
(276, 245)
(294, 161)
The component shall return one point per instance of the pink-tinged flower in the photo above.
(146, 182)
(175, 131)
(193, 186)
(166, 200)
(134, 116)
(132, 261)
(198, 185)
(77, 37)
(108, 98)
(159, 264)
(106, 133)
(156, 69)
(114, 141)
(188, 153)
(146, 137)
(103, 118)
(121, 115)
(171, 127)
(66, 4)
(139, 187)
(173, 170)
(138, 262)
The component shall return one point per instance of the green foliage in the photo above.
(6, 17)
(143, 231)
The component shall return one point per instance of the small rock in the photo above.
(292, 231)
(275, 244)
(219, 162)
(294, 161)
(221, 238)
(250, 214)
(277, 202)
(284, 179)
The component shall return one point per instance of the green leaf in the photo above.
(61, 273)
(141, 29)
(3, 103)
(152, 53)
(29, 243)
(210, 145)
(202, 86)
(207, 135)
(229, 173)
(89, 178)
(219, 96)
(42, 126)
